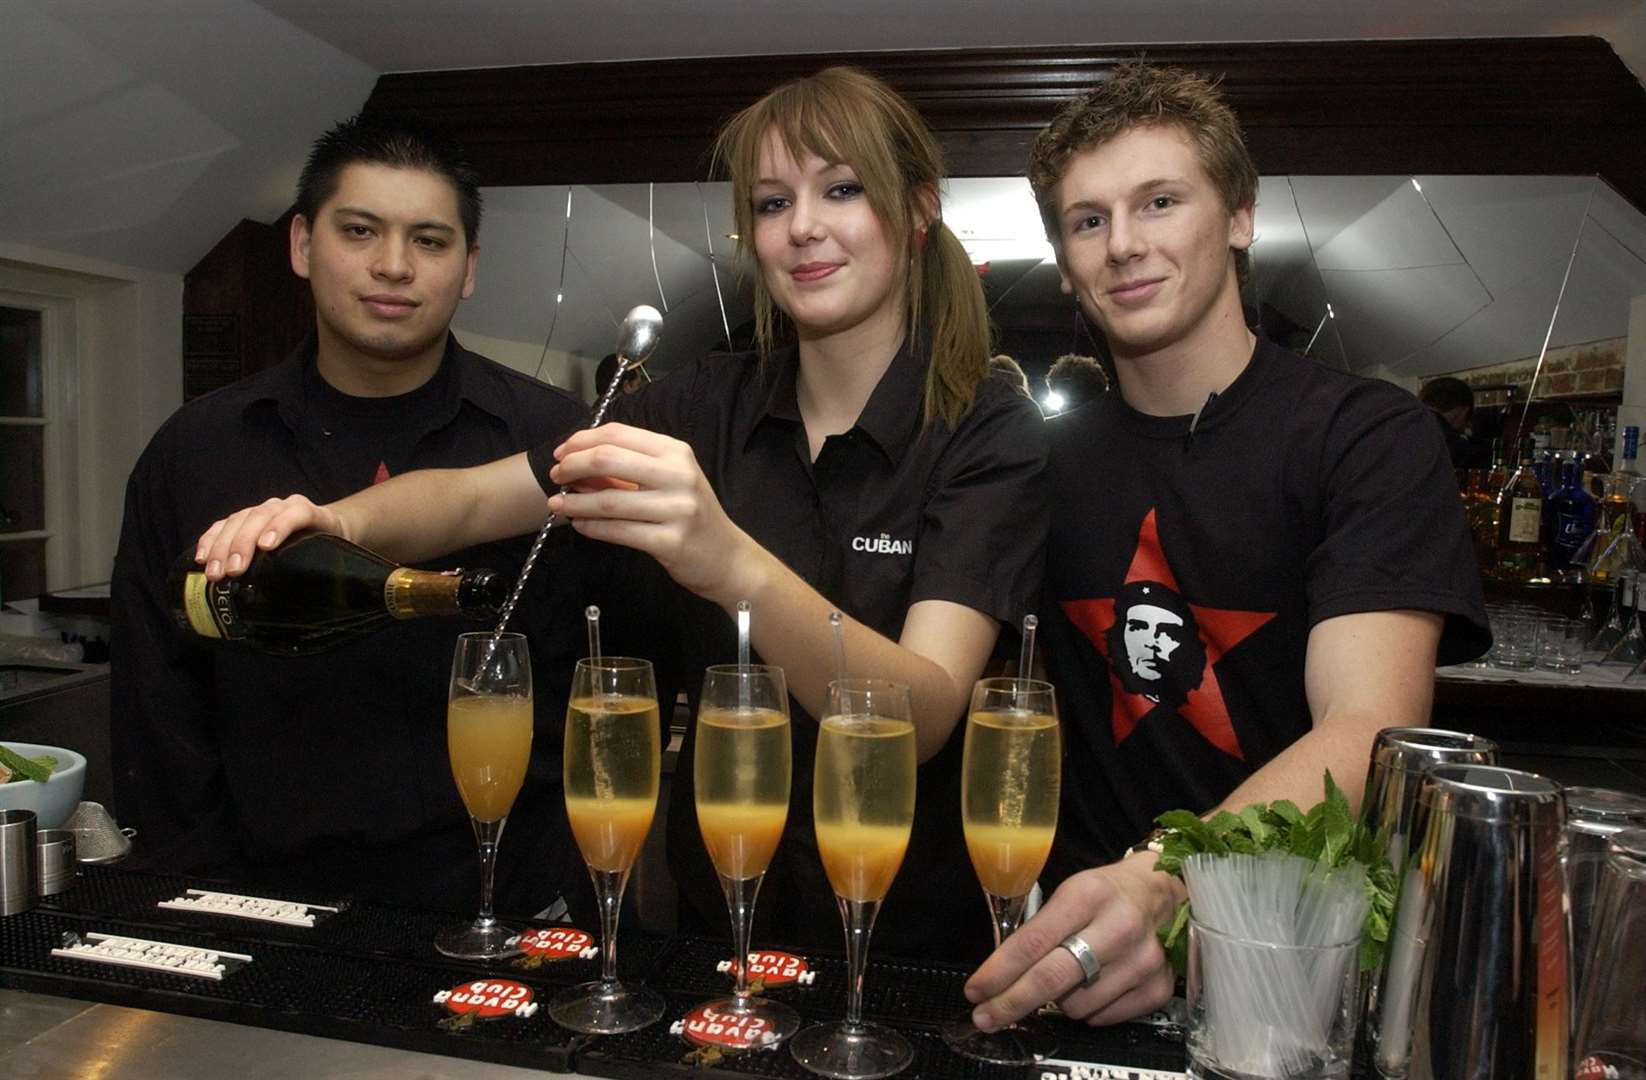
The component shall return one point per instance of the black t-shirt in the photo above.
(1185, 571)
(889, 514)
(370, 439)
(329, 773)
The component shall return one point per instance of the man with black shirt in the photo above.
(1303, 522)
(1453, 403)
(328, 774)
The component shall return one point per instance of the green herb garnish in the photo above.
(1328, 833)
(26, 768)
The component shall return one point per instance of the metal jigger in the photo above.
(637, 339)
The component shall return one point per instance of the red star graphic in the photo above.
(381, 475)
(1220, 631)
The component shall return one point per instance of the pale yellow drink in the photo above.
(611, 762)
(863, 801)
(1010, 786)
(489, 739)
(741, 776)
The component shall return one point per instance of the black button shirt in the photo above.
(329, 773)
(892, 512)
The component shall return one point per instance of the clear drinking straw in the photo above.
(837, 625)
(1025, 658)
(743, 672)
(592, 614)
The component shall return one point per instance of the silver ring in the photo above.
(1090, 965)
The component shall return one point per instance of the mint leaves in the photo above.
(1328, 833)
(23, 768)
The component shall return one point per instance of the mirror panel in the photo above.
(1394, 276)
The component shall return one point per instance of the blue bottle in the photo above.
(1571, 514)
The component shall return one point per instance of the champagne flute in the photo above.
(489, 740)
(863, 805)
(612, 757)
(1011, 778)
(741, 774)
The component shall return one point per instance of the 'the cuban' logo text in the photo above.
(882, 545)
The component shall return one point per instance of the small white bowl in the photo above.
(54, 800)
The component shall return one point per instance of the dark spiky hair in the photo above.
(397, 142)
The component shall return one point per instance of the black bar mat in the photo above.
(900, 992)
(369, 973)
(359, 929)
(361, 999)
(660, 1051)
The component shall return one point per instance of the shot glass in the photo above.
(1516, 643)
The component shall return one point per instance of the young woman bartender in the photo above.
(862, 458)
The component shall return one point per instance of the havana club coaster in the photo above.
(727, 1031)
(1608, 1066)
(552, 943)
(769, 970)
(485, 999)
(1051, 1069)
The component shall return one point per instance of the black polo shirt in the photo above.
(890, 513)
(329, 773)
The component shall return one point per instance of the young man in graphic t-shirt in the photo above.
(1254, 561)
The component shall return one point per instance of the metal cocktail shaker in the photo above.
(1609, 1038)
(1478, 981)
(1401, 757)
(1593, 816)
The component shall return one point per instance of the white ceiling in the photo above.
(141, 131)
(418, 35)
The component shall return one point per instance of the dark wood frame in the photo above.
(1560, 105)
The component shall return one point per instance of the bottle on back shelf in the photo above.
(1480, 511)
(1570, 511)
(317, 590)
(1520, 523)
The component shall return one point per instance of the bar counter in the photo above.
(362, 993)
(55, 1038)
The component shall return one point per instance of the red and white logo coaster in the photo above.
(707, 1026)
(775, 969)
(488, 999)
(558, 943)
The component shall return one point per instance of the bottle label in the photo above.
(198, 604)
(1524, 518)
(397, 593)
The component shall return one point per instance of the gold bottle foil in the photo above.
(410, 593)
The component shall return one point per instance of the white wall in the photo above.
(121, 378)
(1632, 411)
(566, 370)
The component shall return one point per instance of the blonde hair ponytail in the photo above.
(949, 300)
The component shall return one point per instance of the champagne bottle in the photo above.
(316, 590)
